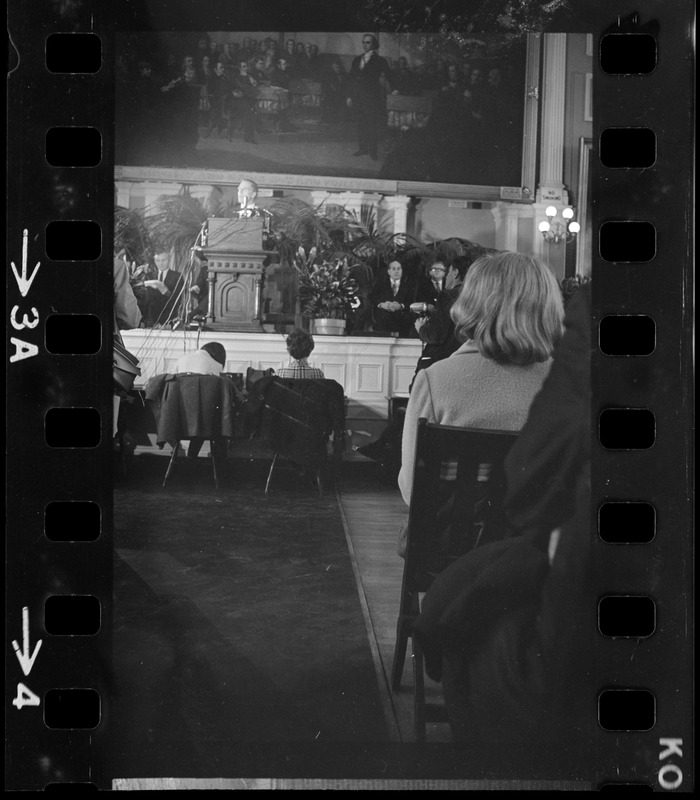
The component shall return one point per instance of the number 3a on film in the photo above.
(23, 349)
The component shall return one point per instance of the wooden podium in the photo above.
(235, 273)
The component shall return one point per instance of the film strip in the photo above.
(59, 399)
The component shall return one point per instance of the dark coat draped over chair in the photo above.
(301, 416)
(192, 406)
(302, 420)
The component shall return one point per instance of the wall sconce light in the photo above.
(555, 229)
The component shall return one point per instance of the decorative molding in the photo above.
(583, 254)
(588, 98)
(506, 217)
(370, 378)
(531, 113)
(552, 125)
(398, 205)
(370, 369)
(403, 375)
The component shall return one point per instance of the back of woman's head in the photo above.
(300, 343)
(511, 307)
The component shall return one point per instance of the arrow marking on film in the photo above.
(22, 281)
(26, 661)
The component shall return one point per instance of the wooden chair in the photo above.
(456, 505)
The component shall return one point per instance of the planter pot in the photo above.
(329, 327)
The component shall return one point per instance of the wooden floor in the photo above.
(374, 510)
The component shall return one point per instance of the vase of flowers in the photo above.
(328, 293)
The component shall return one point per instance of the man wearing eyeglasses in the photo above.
(368, 95)
(436, 329)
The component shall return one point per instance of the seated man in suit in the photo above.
(390, 299)
(210, 359)
(299, 346)
(169, 283)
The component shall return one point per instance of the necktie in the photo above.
(395, 287)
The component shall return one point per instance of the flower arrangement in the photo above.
(569, 286)
(326, 288)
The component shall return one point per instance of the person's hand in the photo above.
(237, 93)
(418, 324)
(349, 102)
(394, 306)
(395, 91)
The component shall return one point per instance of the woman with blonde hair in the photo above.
(509, 315)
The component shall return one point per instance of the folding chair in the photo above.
(299, 418)
(196, 407)
(456, 505)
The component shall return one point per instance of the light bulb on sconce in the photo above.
(555, 229)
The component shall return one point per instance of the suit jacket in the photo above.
(245, 84)
(391, 320)
(174, 282)
(365, 87)
(437, 333)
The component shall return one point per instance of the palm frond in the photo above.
(175, 222)
(131, 234)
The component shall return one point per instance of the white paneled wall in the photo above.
(372, 370)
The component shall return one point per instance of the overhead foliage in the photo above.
(462, 21)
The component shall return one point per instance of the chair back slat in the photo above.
(456, 504)
(457, 496)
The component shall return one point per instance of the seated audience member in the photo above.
(390, 300)
(126, 308)
(300, 345)
(210, 359)
(507, 627)
(404, 80)
(257, 71)
(126, 314)
(281, 75)
(430, 285)
(170, 283)
(335, 92)
(436, 328)
(509, 316)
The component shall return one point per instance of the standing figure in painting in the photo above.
(367, 95)
(245, 91)
(219, 93)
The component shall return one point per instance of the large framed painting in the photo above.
(411, 113)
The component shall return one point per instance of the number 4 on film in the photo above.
(25, 656)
